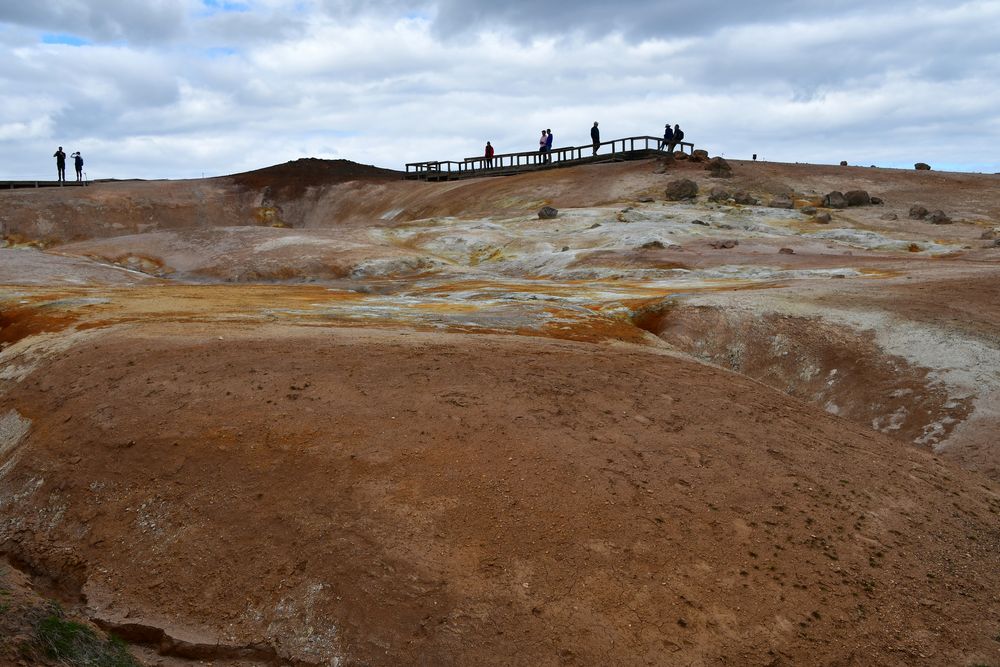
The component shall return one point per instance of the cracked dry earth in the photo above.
(319, 415)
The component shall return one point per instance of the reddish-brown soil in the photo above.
(483, 451)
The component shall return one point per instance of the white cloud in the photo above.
(389, 82)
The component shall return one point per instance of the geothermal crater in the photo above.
(320, 415)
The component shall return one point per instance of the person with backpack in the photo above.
(78, 163)
(678, 137)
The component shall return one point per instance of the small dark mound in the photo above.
(292, 178)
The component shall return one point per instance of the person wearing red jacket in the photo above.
(489, 155)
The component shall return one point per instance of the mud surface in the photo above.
(319, 415)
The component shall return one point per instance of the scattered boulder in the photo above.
(835, 199)
(843, 163)
(680, 155)
(889, 216)
(857, 198)
(681, 188)
(699, 155)
(913, 247)
(744, 198)
(786, 251)
(718, 194)
(939, 218)
(995, 244)
(922, 166)
(918, 212)
(991, 234)
(724, 243)
(877, 201)
(823, 218)
(719, 168)
(808, 210)
(566, 247)
(547, 213)
(650, 245)
(699, 222)
(781, 201)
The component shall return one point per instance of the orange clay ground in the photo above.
(319, 415)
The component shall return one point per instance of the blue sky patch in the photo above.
(62, 38)
(226, 5)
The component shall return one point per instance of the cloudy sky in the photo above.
(181, 88)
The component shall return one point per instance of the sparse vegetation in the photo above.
(79, 645)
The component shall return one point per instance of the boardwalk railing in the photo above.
(507, 163)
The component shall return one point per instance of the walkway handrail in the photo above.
(537, 158)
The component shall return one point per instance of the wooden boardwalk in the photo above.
(14, 185)
(506, 164)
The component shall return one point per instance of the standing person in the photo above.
(678, 137)
(548, 146)
(595, 137)
(78, 163)
(542, 145)
(668, 138)
(60, 157)
(489, 155)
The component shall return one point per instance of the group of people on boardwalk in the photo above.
(60, 157)
(671, 137)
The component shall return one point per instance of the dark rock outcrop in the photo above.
(835, 199)
(922, 166)
(681, 188)
(939, 218)
(781, 201)
(857, 198)
(547, 213)
(918, 212)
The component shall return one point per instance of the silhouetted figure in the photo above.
(60, 157)
(678, 137)
(78, 163)
(548, 146)
(668, 138)
(595, 137)
(542, 144)
(754, 157)
(489, 155)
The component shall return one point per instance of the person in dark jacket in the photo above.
(678, 137)
(78, 163)
(668, 138)
(489, 155)
(60, 157)
(548, 145)
(595, 137)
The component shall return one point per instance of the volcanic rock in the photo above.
(700, 222)
(786, 251)
(781, 201)
(719, 168)
(857, 198)
(718, 194)
(835, 199)
(939, 218)
(744, 198)
(877, 201)
(889, 216)
(680, 155)
(843, 163)
(918, 212)
(681, 188)
(808, 210)
(547, 213)
(699, 155)
(724, 243)
(922, 166)
(823, 218)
